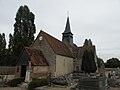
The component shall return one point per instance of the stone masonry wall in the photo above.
(49, 54)
(64, 65)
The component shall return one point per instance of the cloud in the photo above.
(95, 19)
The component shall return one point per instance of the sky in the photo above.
(98, 20)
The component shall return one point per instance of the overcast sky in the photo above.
(98, 20)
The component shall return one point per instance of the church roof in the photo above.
(81, 50)
(67, 28)
(57, 46)
(36, 57)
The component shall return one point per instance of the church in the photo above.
(50, 57)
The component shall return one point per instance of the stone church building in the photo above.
(49, 56)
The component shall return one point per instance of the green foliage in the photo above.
(100, 62)
(85, 60)
(15, 82)
(2, 49)
(88, 62)
(112, 63)
(90, 42)
(87, 42)
(37, 83)
(10, 56)
(93, 63)
(63, 83)
(24, 30)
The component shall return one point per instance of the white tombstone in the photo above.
(28, 73)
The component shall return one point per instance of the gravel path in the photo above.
(55, 88)
(114, 88)
(12, 88)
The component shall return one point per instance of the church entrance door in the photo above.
(23, 71)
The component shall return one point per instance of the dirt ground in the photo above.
(12, 88)
(114, 88)
(56, 88)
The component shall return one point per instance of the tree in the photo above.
(112, 63)
(93, 66)
(9, 55)
(2, 49)
(10, 46)
(88, 42)
(85, 64)
(88, 62)
(100, 62)
(24, 30)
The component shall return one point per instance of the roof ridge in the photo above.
(60, 42)
(51, 36)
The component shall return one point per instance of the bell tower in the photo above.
(67, 34)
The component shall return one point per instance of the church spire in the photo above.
(67, 34)
(67, 28)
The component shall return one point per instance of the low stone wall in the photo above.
(6, 77)
(7, 70)
(7, 73)
(89, 83)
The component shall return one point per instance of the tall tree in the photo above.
(93, 66)
(88, 62)
(90, 42)
(24, 30)
(86, 42)
(2, 49)
(85, 65)
(100, 62)
(10, 56)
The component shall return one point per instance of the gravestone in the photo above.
(28, 73)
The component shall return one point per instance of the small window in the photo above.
(17, 69)
(77, 68)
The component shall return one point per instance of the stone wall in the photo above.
(64, 65)
(7, 73)
(17, 71)
(39, 69)
(77, 64)
(5, 70)
(99, 83)
(47, 51)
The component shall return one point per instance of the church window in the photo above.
(17, 69)
(77, 68)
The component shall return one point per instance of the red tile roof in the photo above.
(61, 48)
(58, 47)
(36, 57)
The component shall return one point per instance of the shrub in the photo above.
(15, 82)
(58, 83)
(37, 83)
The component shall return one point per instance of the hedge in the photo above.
(37, 83)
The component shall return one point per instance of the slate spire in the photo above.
(67, 34)
(67, 28)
